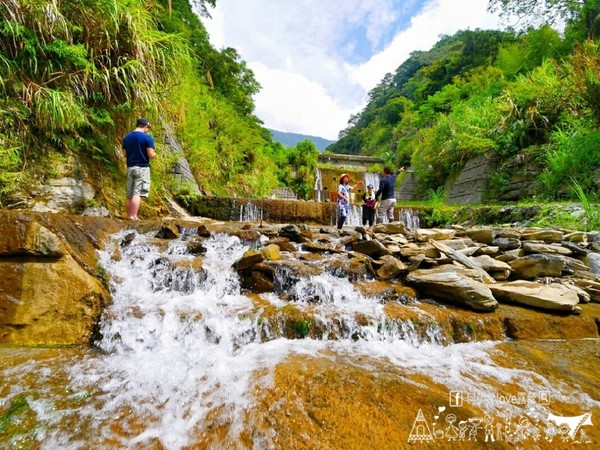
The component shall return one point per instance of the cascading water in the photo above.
(372, 178)
(250, 212)
(318, 186)
(186, 360)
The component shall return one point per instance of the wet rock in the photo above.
(353, 268)
(314, 247)
(248, 235)
(129, 237)
(96, 211)
(195, 247)
(457, 244)
(452, 284)
(508, 233)
(590, 285)
(391, 268)
(374, 248)
(592, 260)
(584, 297)
(511, 255)
(577, 249)
(576, 236)
(259, 282)
(295, 234)
(487, 250)
(284, 244)
(271, 252)
(535, 266)
(203, 231)
(28, 238)
(168, 231)
(289, 272)
(248, 260)
(555, 297)
(387, 291)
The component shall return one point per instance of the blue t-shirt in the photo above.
(386, 187)
(136, 145)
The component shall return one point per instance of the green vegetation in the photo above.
(74, 76)
(523, 98)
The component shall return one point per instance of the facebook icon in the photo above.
(456, 398)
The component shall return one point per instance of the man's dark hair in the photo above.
(387, 170)
(142, 122)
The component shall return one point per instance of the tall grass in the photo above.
(592, 214)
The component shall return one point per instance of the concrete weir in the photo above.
(271, 210)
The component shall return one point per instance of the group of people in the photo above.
(375, 205)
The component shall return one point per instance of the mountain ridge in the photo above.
(291, 139)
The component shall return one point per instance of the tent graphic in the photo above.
(420, 431)
(574, 422)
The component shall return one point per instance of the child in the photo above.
(369, 206)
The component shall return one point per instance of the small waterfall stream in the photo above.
(185, 357)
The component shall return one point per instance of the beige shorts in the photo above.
(138, 181)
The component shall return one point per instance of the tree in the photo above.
(303, 159)
(585, 13)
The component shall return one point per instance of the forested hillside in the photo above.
(530, 96)
(74, 76)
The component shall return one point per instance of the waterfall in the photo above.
(250, 212)
(372, 178)
(318, 186)
(187, 360)
(408, 217)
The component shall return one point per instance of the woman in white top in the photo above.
(343, 199)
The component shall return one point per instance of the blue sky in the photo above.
(317, 59)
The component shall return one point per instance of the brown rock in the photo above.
(554, 297)
(532, 247)
(271, 252)
(450, 283)
(248, 260)
(49, 303)
(391, 268)
(542, 235)
(535, 266)
(373, 248)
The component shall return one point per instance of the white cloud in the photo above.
(295, 104)
(315, 59)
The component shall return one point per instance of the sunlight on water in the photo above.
(179, 361)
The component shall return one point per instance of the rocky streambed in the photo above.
(468, 283)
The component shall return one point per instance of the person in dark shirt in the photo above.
(387, 195)
(368, 207)
(138, 148)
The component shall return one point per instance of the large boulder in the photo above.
(453, 284)
(554, 296)
(47, 297)
(538, 265)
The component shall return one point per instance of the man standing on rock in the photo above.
(386, 192)
(138, 148)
